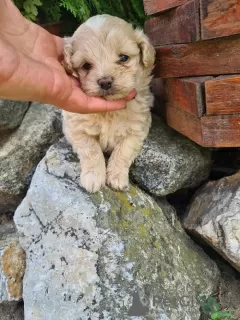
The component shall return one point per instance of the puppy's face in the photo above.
(106, 53)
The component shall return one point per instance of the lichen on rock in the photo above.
(12, 264)
(108, 255)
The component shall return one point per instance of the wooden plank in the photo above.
(186, 93)
(182, 25)
(219, 18)
(184, 122)
(209, 131)
(211, 57)
(223, 95)
(221, 131)
(155, 6)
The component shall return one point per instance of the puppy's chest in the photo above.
(112, 131)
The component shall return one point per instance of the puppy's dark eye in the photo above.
(123, 58)
(87, 66)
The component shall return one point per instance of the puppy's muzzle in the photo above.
(105, 83)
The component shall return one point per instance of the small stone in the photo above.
(109, 255)
(12, 113)
(214, 216)
(12, 264)
(21, 150)
(169, 161)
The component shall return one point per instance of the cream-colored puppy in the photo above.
(110, 58)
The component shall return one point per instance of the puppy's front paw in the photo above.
(92, 181)
(118, 181)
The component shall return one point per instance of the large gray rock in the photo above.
(169, 161)
(214, 216)
(12, 263)
(12, 113)
(108, 255)
(21, 151)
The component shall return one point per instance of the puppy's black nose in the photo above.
(105, 83)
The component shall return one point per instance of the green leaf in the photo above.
(216, 308)
(37, 2)
(26, 7)
(206, 308)
(211, 301)
(221, 315)
(34, 10)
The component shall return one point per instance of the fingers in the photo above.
(79, 102)
(132, 94)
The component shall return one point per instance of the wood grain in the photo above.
(186, 93)
(155, 6)
(211, 57)
(221, 131)
(219, 18)
(183, 122)
(223, 95)
(208, 131)
(180, 25)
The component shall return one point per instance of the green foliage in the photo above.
(51, 10)
(81, 10)
(29, 8)
(210, 307)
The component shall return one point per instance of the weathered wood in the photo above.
(186, 93)
(211, 57)
(155, 6)
(180, 25)
(219, 18)
(208, 131)
(223, 95)
(184, 122)
(221, 131)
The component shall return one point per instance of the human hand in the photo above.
(30, 67)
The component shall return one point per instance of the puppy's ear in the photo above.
(147, 50)
(67, 53)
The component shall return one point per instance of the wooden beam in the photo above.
(155, 6)
(208, 131)
(211, 57)
(180, 25)
(223, 95)
(219, 18)
(183, 122)
(221, 131)
(186, 93)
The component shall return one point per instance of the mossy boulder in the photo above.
(108, 255)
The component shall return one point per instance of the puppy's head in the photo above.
(106, 53)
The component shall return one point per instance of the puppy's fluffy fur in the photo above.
(98, 45)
